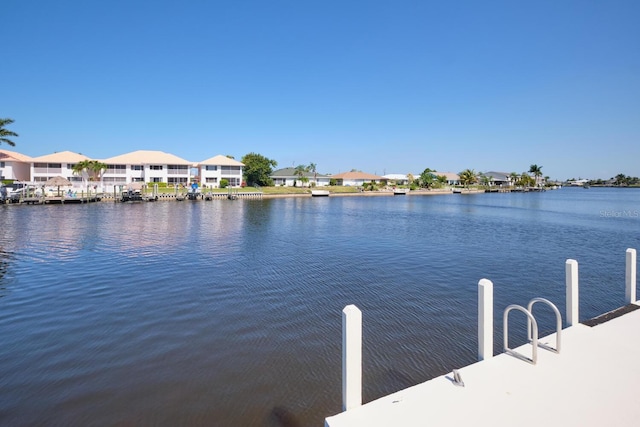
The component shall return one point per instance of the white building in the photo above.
(220, 167)
(289, 178)
(61, 164)
(146, 166)
(14, 166)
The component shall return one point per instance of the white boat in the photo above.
(400, 191)
(319, 193)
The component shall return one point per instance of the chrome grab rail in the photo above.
(558, 324)
(532, 320)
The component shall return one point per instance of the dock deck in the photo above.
(594, 381)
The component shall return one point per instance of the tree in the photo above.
(427, 178)
(313, 169)
(300, 172)
(4, 133)
(621, 179)
(536, 171)
(526, 180)
(258, 168)
(486, 179)
(513, 178)
(93, 169)
(468, 177)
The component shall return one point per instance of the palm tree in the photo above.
(80, 167)
(300, 172)
(312, 168)
(93, 168)
(514, 178)
(410, 179)
(4, 133)
(427, 177)
(468, 177)
(96, 169)
(526, 180)
(536, 171)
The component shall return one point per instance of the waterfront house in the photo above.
(287, 177)
(400, 178)
(146, 166)
(14, 166)
(452, 178)
(498, 178)
(61, 164)
(220, 167)
(357, 179)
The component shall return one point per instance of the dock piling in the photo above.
(485, 319)
(351, 357)
(571, 279)
(630, 276)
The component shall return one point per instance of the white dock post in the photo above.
(485, 319)
(351, 357)
(630, 276)
(571, 279)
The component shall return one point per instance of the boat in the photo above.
(320, 193)
(400, 191)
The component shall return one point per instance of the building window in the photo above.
(156, 168)
(178, 180)
(177, 169)
(156, 179)
(137, 167)
(212, 180)
(117, 169)
(1, 164)
(234, 170)
(211, 168)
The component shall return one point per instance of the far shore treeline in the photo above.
(259, 168)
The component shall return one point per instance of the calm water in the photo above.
(229, 313)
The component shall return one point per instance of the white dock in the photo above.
(593, 381)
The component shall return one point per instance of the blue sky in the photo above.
(379, 86)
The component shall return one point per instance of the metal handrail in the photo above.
(558, 323)
(505, 324)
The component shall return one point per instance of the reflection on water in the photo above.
(229, 312)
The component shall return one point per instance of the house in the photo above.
(220, 167)
(400, 178)
(498, 178)
(287, 177)
(357, 179)
(61, 164)
(146, 166)
(452, 178)
(14, 166)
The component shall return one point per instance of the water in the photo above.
(229, 313)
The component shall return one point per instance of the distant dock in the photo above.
(584, 375)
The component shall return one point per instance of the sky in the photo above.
(379, 86)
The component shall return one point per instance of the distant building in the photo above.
(14, 166)
(578, 182)
(357, 179)
(400, 178)
(498, 178)
(61, 164)
(146, 166)
(287, 177)
(452, 178)
(220, 167)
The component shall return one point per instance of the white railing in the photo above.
(352, 327)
